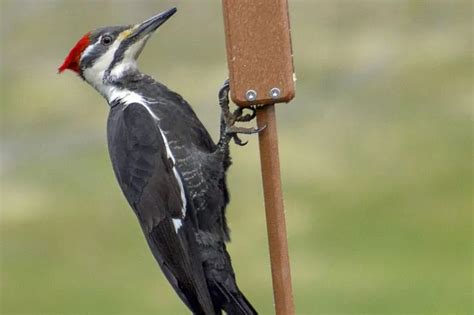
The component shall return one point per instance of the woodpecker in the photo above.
(171, 172)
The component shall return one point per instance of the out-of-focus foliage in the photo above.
(376, 155)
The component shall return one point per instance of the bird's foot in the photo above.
(228, 119)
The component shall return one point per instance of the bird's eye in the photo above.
(106, 40)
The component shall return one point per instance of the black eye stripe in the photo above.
(99, 47)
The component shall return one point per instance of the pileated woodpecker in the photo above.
(168, 167)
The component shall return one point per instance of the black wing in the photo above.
(152, 185)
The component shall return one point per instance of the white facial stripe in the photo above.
(95, 74)
(121, 68)
(129, 59)
(89, 49)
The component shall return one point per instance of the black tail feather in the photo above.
(234, 303)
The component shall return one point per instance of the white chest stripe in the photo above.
(128, 97)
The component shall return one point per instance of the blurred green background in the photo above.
(376, 155)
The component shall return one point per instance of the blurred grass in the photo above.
(376, 155)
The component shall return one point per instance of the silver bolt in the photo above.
(251, 95)
(275, 93)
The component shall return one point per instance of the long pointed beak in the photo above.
(150, 25)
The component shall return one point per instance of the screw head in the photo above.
(274, 93)
(251, 95)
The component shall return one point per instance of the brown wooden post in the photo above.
(259, 56)
(275, 213)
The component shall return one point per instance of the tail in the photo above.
(232, 302)
(220, 278)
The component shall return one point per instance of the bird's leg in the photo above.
(228, 119)
(225, 114)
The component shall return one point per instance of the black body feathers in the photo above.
(173, 176)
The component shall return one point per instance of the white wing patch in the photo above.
(177, 224)
(129, 97)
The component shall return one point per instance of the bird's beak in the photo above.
(149, 26)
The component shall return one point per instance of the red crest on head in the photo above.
(72, 60)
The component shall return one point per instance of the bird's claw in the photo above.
(228, 128)
(239, 116)
(234, 132)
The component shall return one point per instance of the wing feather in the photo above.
(153, 187)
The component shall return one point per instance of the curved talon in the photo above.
(247, 117)
(238, 141)
(234, 131)
(261, 128)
